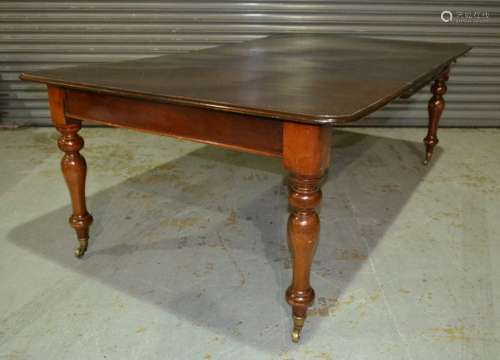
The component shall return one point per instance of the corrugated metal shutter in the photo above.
(42, 34)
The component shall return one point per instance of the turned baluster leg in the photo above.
(435, 109)
(306, 151)
(303, 232)
(73, 166)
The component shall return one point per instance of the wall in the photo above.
(42, 34)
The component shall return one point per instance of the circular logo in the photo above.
(446, 16)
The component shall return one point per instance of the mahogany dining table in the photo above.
(277, 96)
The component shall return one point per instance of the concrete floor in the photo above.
(188, 257)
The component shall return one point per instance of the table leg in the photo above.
(303, 232)
(435, 109)
(73, 166)
(306, 151)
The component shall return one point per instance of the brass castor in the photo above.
(80, 250)
(428, 157)
(298, 323)
(430, 143)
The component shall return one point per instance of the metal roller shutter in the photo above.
(42, 34)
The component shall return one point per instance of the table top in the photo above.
(321, 79)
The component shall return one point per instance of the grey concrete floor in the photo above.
(188, 257)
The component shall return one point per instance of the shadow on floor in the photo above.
(203, 237)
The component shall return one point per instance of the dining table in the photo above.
(277, 96)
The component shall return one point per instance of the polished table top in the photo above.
(321, 79)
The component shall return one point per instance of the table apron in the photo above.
(263, 136)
